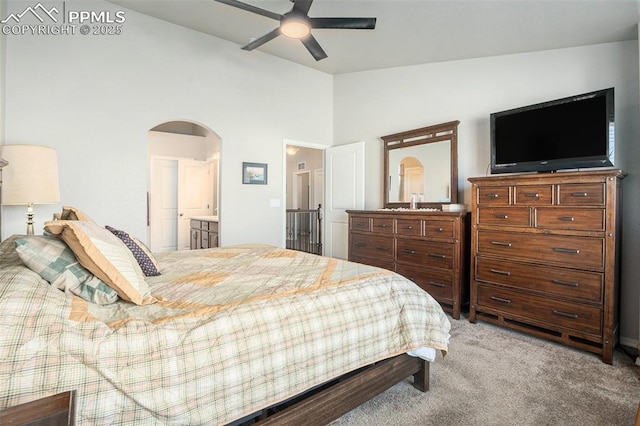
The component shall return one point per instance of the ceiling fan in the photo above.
(297, 24)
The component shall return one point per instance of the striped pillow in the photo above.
(106, 256)
(140, 252)
(54, 261)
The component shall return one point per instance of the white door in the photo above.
(163, 205)
(344, 190)
(301, 190)
(195, 196)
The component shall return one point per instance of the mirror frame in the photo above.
(425, 135)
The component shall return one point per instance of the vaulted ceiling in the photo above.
(410, 32)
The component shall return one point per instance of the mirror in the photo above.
(423, 162)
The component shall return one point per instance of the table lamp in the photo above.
(31, 177)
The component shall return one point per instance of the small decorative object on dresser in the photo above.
(545, 256)
(428, 247)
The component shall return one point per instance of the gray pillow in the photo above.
(54, 261)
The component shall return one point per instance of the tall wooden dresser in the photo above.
(545, 256)
(429, 248)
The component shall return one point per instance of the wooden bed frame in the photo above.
(330, 401)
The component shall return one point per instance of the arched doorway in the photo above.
(183, 164)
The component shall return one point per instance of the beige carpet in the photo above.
(494, 376)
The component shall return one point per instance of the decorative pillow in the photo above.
(140, 252)
(72, 213)
(106, 256)
(53, 260)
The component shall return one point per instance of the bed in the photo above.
(218, 336)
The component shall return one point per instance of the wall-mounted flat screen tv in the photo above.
(569, 133)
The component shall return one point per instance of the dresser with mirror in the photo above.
(425, 244)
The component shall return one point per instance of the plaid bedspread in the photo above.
(236, 329)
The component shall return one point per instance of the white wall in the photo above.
(94, 98)
(368, 105)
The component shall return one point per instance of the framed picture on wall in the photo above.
(254, 173)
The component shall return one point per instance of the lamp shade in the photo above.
(31, 177)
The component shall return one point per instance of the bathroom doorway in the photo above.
(183, 164)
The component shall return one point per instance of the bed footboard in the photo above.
(345, 395)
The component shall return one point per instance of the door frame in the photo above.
(285, 142)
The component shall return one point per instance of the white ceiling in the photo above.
(410, 32)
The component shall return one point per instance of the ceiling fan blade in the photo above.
(262, 40)
(344, 23)
(250, 8)
(313, 47)
(301, 6)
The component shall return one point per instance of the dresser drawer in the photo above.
(382, 225)
(534, 195)
(568, 283)
(493, 195)
(579, 252)
(411, 227)
(372, 246)
(570, 218)
(439, 229)
(583, 318)
(507, 216)
(425, 253)
(581, 194)
(360, 223)
(438, 284)
(380, 263)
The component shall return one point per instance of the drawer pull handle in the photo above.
(437, 255)
(564, 314)
(580, 194)
(532, 195)
(502, 216)
(436, 284)
(383, 248)
(359, 224)
(566, 250)
(409, 227)
(493, 196)
(383, 225)
(567, 218)
(500, 299)
(566, 283)
(496, 271)
(500, 243)
(407, 251)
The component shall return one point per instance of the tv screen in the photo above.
(569, 133)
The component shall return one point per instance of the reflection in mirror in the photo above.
(410, 179)
(421, 162)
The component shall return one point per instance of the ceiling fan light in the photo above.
(295, 28)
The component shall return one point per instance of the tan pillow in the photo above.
(72, 213)
(105, 256)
